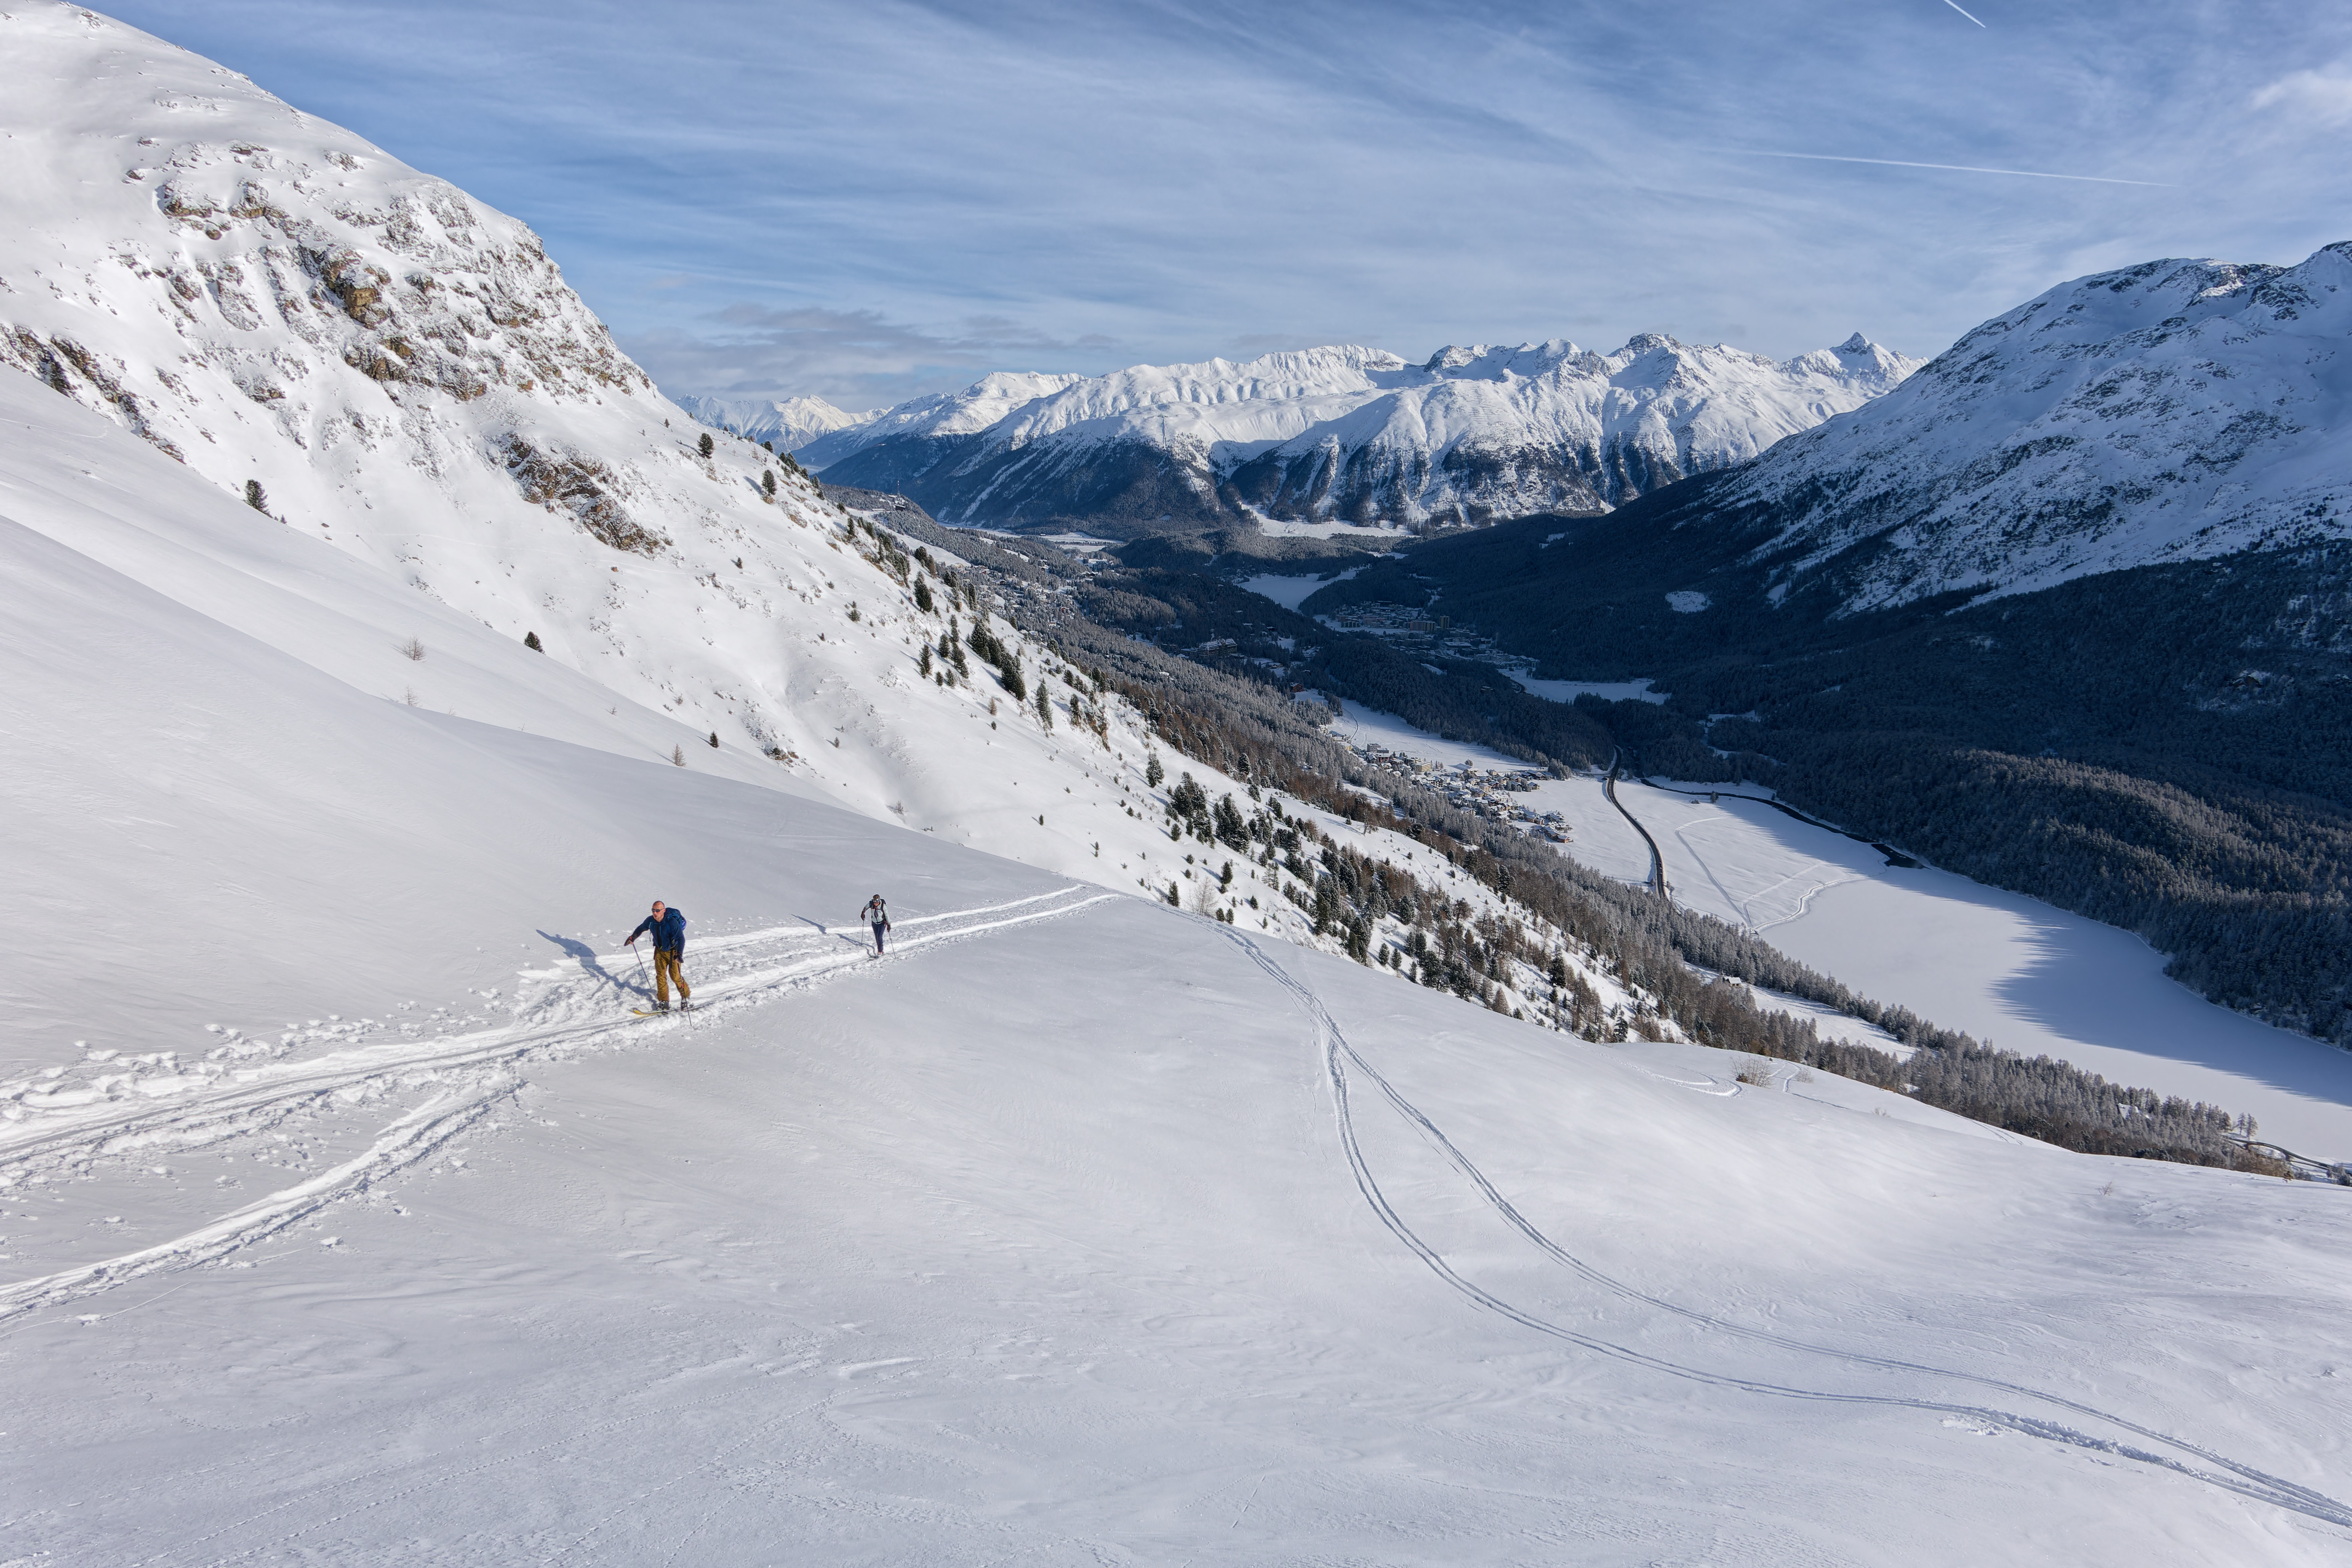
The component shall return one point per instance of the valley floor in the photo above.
(2002, 966)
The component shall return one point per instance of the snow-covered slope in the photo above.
(453, 457)
(1351, 433)
(347, 1214)
(448, 448)
(2175, 410)
(786, 425)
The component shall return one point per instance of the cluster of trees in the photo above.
(1006, 659)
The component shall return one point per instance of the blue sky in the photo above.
(868, 201)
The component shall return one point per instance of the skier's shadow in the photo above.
(821, 928)
(589, 963)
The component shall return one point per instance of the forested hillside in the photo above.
(2168, 748)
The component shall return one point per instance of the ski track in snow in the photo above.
(1338, 1055)
(562, 1016)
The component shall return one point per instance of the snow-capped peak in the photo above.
(786, 425)
(2173, 410)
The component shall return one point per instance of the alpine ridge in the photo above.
(2171, 410)
(1345, 434)
(786, 425)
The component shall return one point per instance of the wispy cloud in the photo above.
(2316, 99)
(854, 358)
(1160, 179)
(1953, 168)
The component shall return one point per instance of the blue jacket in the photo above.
(669, 931)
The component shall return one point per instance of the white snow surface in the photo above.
(2171, 410)
(2006, 968)
(786, 424)
(347, 1214)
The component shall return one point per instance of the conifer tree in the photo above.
(1152, 772)
(254, 496)
(714, 740)
(530, 641)
(925, 662)
(1045, 709)
(703, 445)
(768, 482)
(923, 596)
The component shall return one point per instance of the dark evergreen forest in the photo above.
(2166, 748)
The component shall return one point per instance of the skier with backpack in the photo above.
(668, 927)
(877, 914)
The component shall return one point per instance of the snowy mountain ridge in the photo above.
(1350, 433)
(784, 425)
(2175, 410)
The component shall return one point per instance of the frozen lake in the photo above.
(2002, 966)
(1288, 592)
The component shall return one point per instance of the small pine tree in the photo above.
(924, 663)
(703, 445)
(1152, 772)
(1175, 895)
(714, 740)
(768, 482)
(255, 497)
(1044, 709)
(677, 755)
(923, 600)
(530, 641)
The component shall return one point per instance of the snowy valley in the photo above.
(382, 641)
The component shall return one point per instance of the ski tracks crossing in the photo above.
(569, 1008)
(2179, 1456)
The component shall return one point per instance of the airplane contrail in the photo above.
(1954, 168)
(1955, 5)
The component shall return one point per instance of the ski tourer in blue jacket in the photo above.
(668, 927)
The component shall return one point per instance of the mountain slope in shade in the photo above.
(2171, 410)
(1350, 434)
(786, 426)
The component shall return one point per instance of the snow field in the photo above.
(2002, 966)
(1204, 1248)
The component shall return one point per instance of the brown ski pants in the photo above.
(667, 969)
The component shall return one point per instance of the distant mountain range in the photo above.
(787, 426)
(1342, 433)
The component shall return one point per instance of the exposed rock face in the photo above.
(265, 296)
